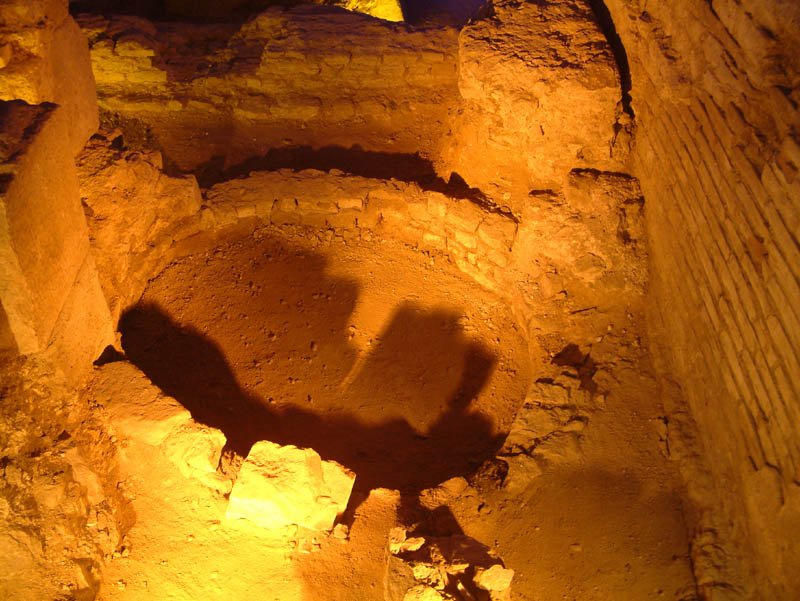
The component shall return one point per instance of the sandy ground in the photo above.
(388, 361)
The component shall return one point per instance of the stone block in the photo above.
(419, 211)
(194, 447)
(143, 413)
(147, 76)
(44, 232)
(433, 241)
(282, 485)
(264, 209)
(346, 219)
(464, 216)
(284, 212)
(139, 411)
(350, 202)
(497, 231)
(496, 580)
(437, 204)
(465, 239)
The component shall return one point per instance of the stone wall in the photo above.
(715, 93)
(61, 514)
(496, 103)
(213, 96)
(480, 242)
(48, 283)
(540, 96)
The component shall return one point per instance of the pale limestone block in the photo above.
(264, 209)
(350, 202)
(245, 210)
(282, 485)
(146, 415)
(346, 219)
(437, 204)
(418, 211)
(496, 580)
(464, 216)
(149, 76)
(433, 241)
(497, 231)
(423, 592)
(194, 447)
(465, 239)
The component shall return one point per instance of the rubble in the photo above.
(282, 485)
(453, 568)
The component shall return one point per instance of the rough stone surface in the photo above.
(456, 568)
(134, 212)
(47, 60)
(715, 95)
(145, 415)
(526, 76)
(61, 514)
(48, 284)
(282, 485)
(547, 430)
(277, 81)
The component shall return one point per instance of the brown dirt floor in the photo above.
(392, 363)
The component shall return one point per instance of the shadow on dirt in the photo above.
(399, 415)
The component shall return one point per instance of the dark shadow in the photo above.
(606, 22)
(572, 356)
(181, 11)
(455, 13)
(401, 419)
(405, 167)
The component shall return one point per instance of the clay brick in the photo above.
(497, 231)
(464, 216)
(466, 240)
(433, 241)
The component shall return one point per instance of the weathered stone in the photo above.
(422, 592)
(496, 580)
(278, 486)
(145, 415)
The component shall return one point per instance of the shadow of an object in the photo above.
(355, 160)
(455, 13)
(407, 423)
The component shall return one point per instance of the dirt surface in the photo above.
(393, 366)
(388, 361)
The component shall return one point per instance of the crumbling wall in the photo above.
(496, 103)
(62, 514)
(135, 214)
(49, 288)
(214, 96)
(715, 93)
(540, 96)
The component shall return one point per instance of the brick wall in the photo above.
(715, 96)
(274, 82)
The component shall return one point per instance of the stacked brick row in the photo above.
(277, 80)
(479, 242)
(717, 153)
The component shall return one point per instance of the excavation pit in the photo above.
(382, 358)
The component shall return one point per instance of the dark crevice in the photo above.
(181, 11)
(604, 19)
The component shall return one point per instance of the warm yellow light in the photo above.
(388, 10)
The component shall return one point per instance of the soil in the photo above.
(389, 361)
